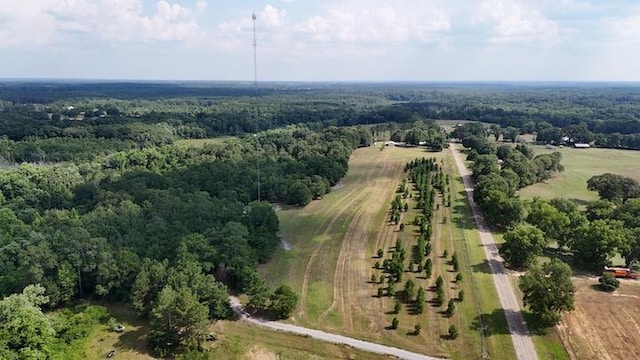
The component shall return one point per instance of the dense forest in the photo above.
(102, 118)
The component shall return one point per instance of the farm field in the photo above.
(603, 326)
(580, 165)
(334, 242)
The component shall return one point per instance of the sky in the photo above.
(322, 40)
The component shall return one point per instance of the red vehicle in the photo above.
(620, 272)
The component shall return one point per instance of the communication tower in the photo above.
(255, 56)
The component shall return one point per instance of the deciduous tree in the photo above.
(548, 290)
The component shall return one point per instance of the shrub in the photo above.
(459, 277)
(608, 282)
(451, 308)
(453, 332)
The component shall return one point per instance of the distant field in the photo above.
(202, 142)
(580, 165)
(334, 241)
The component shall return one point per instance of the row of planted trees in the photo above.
(428, 180)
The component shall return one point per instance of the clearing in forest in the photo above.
(580, 165)
(335, 241)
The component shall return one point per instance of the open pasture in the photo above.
(580, 165)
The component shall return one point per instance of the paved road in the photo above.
(522, 341)
(324, 336)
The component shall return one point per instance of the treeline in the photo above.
(166, 229)
(148, 114)
(500, 171)
(589, 239)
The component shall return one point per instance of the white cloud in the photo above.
(47, 22)
(627, 27)
(378, 21)
(516, 21)
(272, 17)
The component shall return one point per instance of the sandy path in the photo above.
(520, 336)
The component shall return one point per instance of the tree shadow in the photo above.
(446, 337)
(482, 267)
(580, 202)
(496, 323)
(135, 340)
(463, 220)
(556, 253)
(535, 324)
(491, 323)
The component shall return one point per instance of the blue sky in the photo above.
(322, 40)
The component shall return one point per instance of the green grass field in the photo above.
(201, 142)
(580, 165)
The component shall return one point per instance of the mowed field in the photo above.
(603, 325)
(580, 165)
(334, 241)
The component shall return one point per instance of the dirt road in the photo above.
(522, 341)
(324, 336)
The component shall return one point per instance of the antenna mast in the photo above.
(255, 57)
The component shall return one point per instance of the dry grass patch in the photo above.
(603, 325)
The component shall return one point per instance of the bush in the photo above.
(459, 277)
(608, 282)
(451, 308)
(394, 323)
(397, 307)
(453, 332)
(416, 329)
